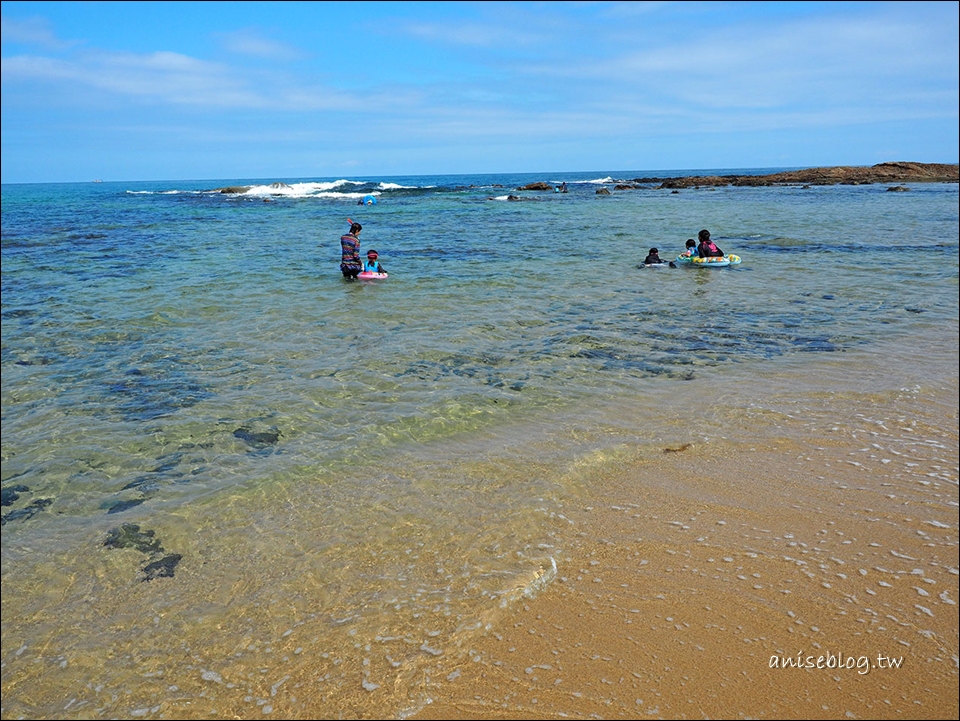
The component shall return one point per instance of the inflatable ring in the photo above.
(369, 200)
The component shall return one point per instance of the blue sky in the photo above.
(285, 90)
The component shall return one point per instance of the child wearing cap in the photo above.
(372, 264)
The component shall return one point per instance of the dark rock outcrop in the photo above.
(898, 172)
(536, 186)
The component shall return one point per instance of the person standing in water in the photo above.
(350, 263)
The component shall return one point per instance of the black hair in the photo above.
(355, 227)
(704, 234)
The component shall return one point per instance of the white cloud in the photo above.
(32, 31)
(172, 78)
(250, 43)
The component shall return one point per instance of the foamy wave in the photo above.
(302, 190)
(161, 192)
(533, 584)
(314, 189)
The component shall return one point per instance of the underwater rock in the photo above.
(129, 535)
(161, 569)
(121, 506)
(11, 494)
(27, 512)
(257, 439)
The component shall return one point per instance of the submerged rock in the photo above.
(129, 535)
(161, 569)
(27, 512)
(11, 494)
(257, 439)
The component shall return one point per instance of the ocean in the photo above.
(236, 484)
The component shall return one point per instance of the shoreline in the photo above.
(692, 570)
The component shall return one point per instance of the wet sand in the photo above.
(826, 535)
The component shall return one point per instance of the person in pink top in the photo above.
(707, 248)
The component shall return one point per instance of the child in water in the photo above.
(690, 249)
(372, 264)
(653, 257)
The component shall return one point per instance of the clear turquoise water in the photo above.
(355, 476)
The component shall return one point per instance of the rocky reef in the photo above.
(898, 172)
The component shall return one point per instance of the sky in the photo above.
(364, 90)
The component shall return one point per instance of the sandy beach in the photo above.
(480, 495)
(703, 575)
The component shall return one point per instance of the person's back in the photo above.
(707, 248)
(653, 257)
(350, 263)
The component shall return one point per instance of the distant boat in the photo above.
(98, 181)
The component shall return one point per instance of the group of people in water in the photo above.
(351, 265)
(706, 248)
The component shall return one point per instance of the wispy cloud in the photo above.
(31, 31)
(472, 34)
(251, 43)
(172, 78)
(163, 76)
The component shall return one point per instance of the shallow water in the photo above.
(240, 485)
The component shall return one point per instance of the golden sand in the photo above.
(703, 576)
